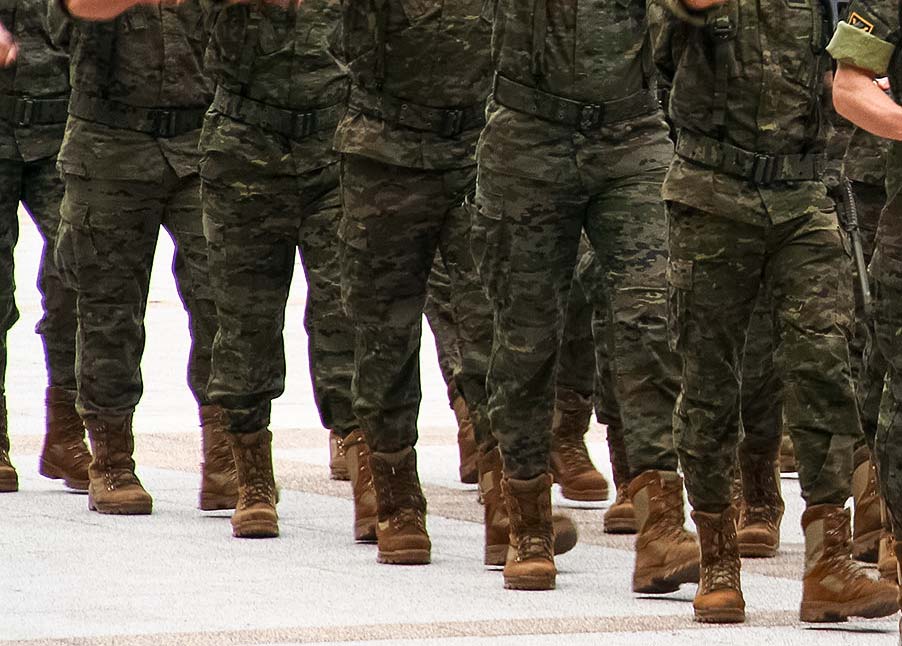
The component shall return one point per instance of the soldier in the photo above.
(129, 160)
(420, 73)
(867, 46)
(33, 104)
(575, 141)
(270, 188)
(748, 216)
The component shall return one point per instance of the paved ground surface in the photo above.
(68, 576)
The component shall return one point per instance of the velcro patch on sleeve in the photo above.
(858, 22)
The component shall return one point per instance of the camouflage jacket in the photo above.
(150, 57)
(587, 50)
(419, 54)
(750, 74)
(41, 72)
(278, 57)
(590, 51)
(871, 38)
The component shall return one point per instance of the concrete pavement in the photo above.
(177, 577)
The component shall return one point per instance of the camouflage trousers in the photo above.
(395, 221)
(105, 251)
(886, 274)
(40, 189)
(525, 239)
(718, 267)
(442, 320)
(256, 223)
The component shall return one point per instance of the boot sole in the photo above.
(405, 557)
(757, 550)
(654, 583)
(209, 502)
(596, 495)
(867, 548)
(495, 555)
(470, 477)
(256, 529)
(365, 530)
(827, 611)
(720, 616)
(341, 476)
(620, 526)
(9, 485)
(530, 583)
(121, 509)
(54, 473)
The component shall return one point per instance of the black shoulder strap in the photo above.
(722, 30)
(539, 33)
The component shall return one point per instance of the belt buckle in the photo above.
(452, 123)
(24, 112)
(166, 123)
(764, 170)
(590, 116)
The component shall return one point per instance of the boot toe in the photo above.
(589, 486)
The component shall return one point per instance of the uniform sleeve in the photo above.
(59, 24)
(868, 36)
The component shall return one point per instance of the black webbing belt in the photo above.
(447, 122)
(159, 122)
(23, 111)
(576, 114)
(289, 123)
(758, 168)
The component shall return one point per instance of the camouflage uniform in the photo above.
(270, 188)
(129, 160)
(749, 219)
(574, 141)
(33, 97)
(440, 315)
(420, 72)
(872, 41)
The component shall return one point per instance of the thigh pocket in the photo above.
(489, 241)
(679, 290)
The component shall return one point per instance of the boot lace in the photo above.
(574, 453)
(721, 570)
(534, 539)
(258, 486)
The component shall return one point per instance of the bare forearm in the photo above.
(861, 101)
(99, 9)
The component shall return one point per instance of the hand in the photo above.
(8, 48)
(702, 5)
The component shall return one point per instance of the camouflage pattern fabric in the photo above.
(266, 197)
(122, 185)
(395, 220)
(576, 360)
(28, 175)
(106, 245)
(440, 315)
(525, 240)
(403, 189)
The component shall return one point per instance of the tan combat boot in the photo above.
(530, 555)
(338, 469)
(571, 465)
(887, 564)
(218, 478)
(401, 507)
(834, 587)
(466, 436)
(255, 514)
(620, 518)
(9, 479)
(866, 525)
(761, 506)
(114, 488)
(65, 455)
(357, 456)
(666, 554)
(787, 455)
(719, 597)
(497, 522)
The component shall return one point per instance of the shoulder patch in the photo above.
(858, 22)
